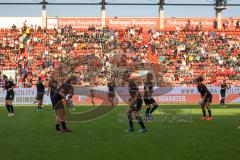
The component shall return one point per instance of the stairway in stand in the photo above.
(152, 58)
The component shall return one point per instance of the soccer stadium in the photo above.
(119, 79)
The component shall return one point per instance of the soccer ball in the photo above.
(200, 102)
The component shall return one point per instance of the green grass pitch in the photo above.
(31, 135)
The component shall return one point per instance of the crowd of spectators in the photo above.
(214, 55)
(98, 54)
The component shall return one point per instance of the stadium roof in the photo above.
(115, 7)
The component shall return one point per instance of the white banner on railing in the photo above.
(165, 95)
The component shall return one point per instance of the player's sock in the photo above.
(154, 108)
(130, 121)
(11, 108)
(63, 125)
(140, 122)
(57, 127)
(147, 111)
(221, 102)
(210, 113)
(8, 108)
(204, 113)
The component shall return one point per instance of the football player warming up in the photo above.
(206, 99)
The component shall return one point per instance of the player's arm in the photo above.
(9, 89)
(43, 86)
(225, 87)
(4, 87)
(64, 98)
(201, 96)
(61, 93)
(228, 86)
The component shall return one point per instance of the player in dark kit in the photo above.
(9, 86)
(206, 99)
(52, 88)
(224, 87)
(65, 92)
(111, 92)
(92, 95)
(40, 93)
(135, 104)
(148, 99)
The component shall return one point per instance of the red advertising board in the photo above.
(128, 22)
(79, 22)
(147, 22)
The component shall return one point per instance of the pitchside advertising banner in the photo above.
(147, 22)
(114, 22)
(165, 95)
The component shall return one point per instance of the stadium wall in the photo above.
(114, 22)
(166, 95)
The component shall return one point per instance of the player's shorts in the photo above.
(57, 102)
(208, 99)
(52, 93)
(92, 97)
(149, 101)
(10, 96)
(39, 96)
(137, 105)
(111, 94)
(223, 94)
